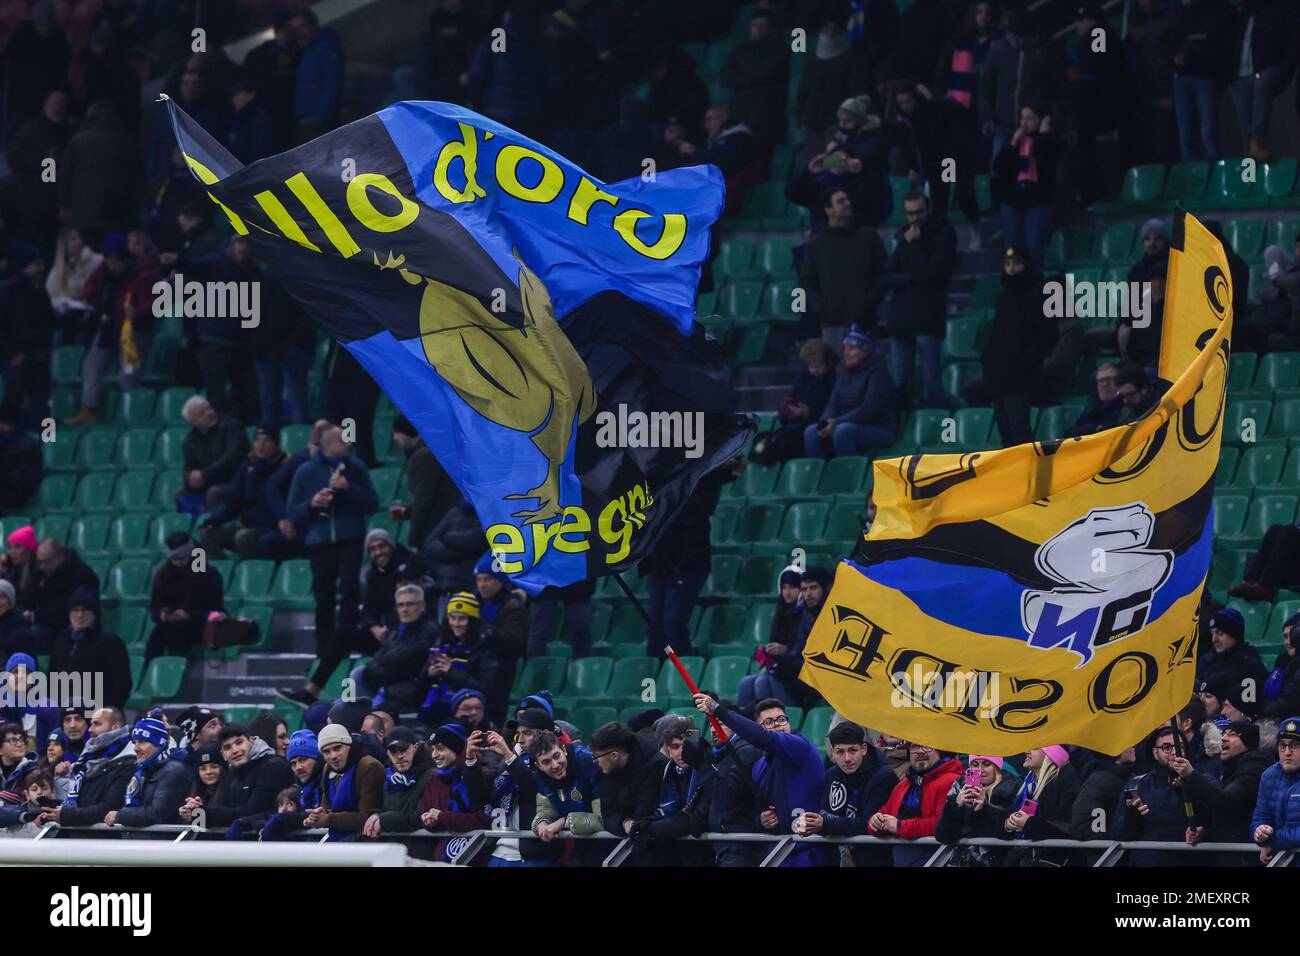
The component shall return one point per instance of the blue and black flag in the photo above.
(506, 301)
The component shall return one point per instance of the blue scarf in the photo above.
(488, 610)
(459, 801)
(82, 765)
(395, 782)
(343, 796)
(136, 787)
(668, 805)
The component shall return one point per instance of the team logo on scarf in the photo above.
(839, 797)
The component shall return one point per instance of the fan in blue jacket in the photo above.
(788, 775)
(159, 786)
(1275, 824)
(855, 789)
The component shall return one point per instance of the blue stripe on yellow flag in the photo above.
(1048, 593)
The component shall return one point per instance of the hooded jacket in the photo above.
(99, 779)
(252, 787)
(850, 799)
(933, 788)
(1278, 806)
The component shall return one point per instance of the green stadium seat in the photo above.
(1273, 630)
(540, 673)
(899, 187)
(94, 492)
(89, 534)
(735, 260)
(1115, 242)
(962, 338)
(745, 345)
(135, 448)
(54, 496)
(626, 677)
(166, 524)
(96, 448)
(958, 375)
(817, 724)
(723, 523)
(1279, 182)
(719, 624)
(846, 475)
(53, 526)
(163, 681)
(129, 582)
(760, 574)
(1227, 189)
(1239, 416)
(1055, 419)
(782, 155)
(626, 626)
(291, 587)
(1229, 514)
(1246, 236)
(1139, 193)
(1241, 372)
(740, 298)
(131, 624)
(722, 676)
(758, 523)
(385, 482)
(706, 304)
(776, 255)
(1289, 479)
(717, 327)
(260, 615)
(1265, 511)
(252, 580)
(986, 292)
(590, 719)
(1228, 460)
(984, 192)
(1227, 568)
(1256, 615)
(778, 302)
(170, 403)
(765, 200)
(1278, 371)
(756, 628)
(128, 534)
(723, 575)
(294, 438)
(669, 685)
(974, 426)
(133, 491)
(923, 429)
(61, 454)
(138, 407)
(65, 364)
(588, 678)
(844, 523)
(754, 481)
(1283, 232)
(1260, 467)
(170, 450)
(1187, 181)
(804, 523)
(799, 478)
(1286, 420)
(1068, 245)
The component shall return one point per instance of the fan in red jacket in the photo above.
(915, 804)
(446, 803)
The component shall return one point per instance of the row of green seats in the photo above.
(1148, 188)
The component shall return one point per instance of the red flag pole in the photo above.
(690, 685)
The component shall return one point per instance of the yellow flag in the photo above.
(1047, 593)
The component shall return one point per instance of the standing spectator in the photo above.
(181, 600)
(252, 135)
(1024, 181)
(918, 273)
(119, 304)
(83, 648)
(1092, 815)
(273, 66)
(862, 412)
(916, 803)
(350, 392)
(1020, 340)
(433, 492)
(508, 79)
(788, 775)
(27, 323)
(1226, 803)
(352, 786)
(60, 572)
(836, 68)
(856, 787)
(962, 61)
(282, 345)
(21, 466)
(1042, 806)
(99, 173)
(214, 449)
(1094, 88)
(842, 271)
(74, 263)
(632, 784)
(158, 787)
(1021, 67)
(1273, 825)
(1203, 36)
(42, 138)
(925, 135)
(256, 501)
(319, 93)
(329, 500)
(975, 810)
(1232, 661)
(452, 549)
(445, 802)
(730, 145)
(568, 788)
(1155, 807)
(757, 70)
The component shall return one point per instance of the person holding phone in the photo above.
(978, 805)
(1041, 809)
(916, 802)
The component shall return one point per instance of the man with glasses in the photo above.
(788, 775)
(15, 758)
(1228, 801)
(1154, 807)
(633, 779)
(1275, 825)
(1104, 412)
(394, 676)
(916, 802)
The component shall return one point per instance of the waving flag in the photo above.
(505, 301)
(1047, 593)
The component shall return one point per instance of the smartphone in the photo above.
(974, 777)
(1029, 807)
(835, 161)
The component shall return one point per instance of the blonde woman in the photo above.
(978, 810)
(74, 261)
(1041, 810)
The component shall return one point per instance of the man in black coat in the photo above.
(255, 774)
(726, 777)
(214, 449)
(21, 467)
(842, 270)
(452, 549)
(1230, 801)
(857, 786)
(758, 71)
(433, 492)
(1021, 339)
(255, 503)
(100, 775)
(633, 779)
(181, 600)
(83, 648)
(918, 273)
(1091, 815)
(60, 573)
(391, 565)
(394, 675)
(27, 321)
(1232, 662)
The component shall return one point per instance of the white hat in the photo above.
(333, 734)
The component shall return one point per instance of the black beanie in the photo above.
(451, 736)
(1248, 732)
(820, 575)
